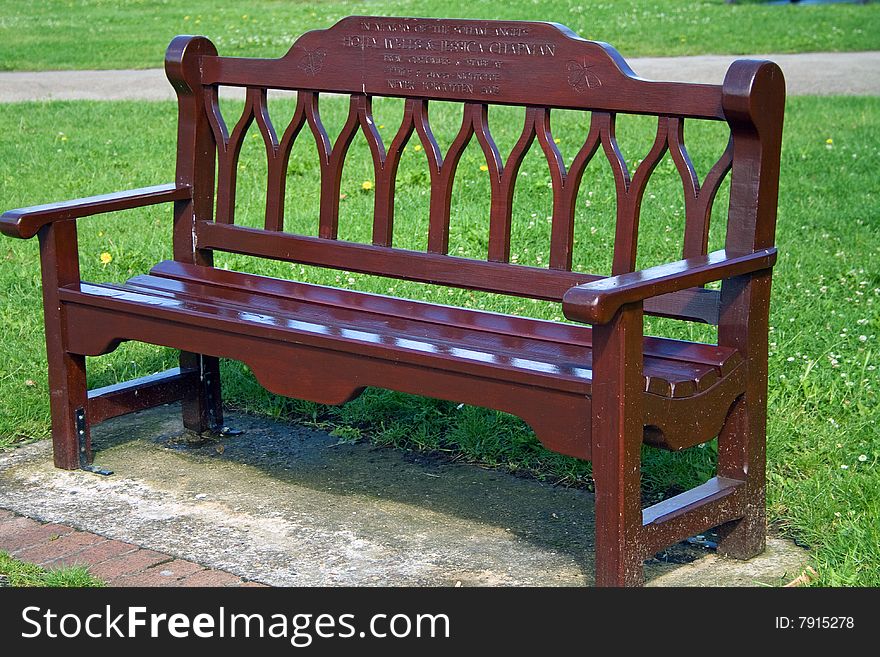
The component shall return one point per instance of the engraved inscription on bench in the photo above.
(463, 58)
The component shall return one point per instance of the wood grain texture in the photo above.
(517, 280)
(66, 370)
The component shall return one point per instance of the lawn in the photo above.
(19, 573)
(824, 440)
(82, 34)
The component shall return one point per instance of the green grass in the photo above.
(19, 573)
(65, 34)
(824, 441)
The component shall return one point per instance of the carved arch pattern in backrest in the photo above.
(540, 66)
(442, 167)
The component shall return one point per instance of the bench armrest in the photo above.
(26, 222)
(598, 301)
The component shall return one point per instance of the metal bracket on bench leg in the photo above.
(81, 438)
(216, 427)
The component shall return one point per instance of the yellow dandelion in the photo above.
(417, 148)
(557, 141)
(106, 258)
(367, 185)
(244, 17)
(381, 126)
(186, 18)
(829, 141)
(483, 167)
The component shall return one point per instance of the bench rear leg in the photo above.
(202, 403)
(616, 453)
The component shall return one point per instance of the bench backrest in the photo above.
(540, 66)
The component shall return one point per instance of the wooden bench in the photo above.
(594, 392)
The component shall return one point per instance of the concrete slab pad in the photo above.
(286, 505)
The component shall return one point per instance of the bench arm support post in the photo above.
(55, 224)
(617, 421)
(67, 372)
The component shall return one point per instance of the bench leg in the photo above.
(742, 441)
(741, 455)
(202, 403)
(68, 394)
(68, 400)
(617, 479)
(616, 453)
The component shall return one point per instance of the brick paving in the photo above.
(118, 563)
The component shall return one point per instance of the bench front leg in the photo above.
(742, 441)
(68, 392)
(617, 428)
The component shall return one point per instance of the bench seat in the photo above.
(533, 353)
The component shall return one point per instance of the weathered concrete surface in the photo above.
(852, 73)
(286, 505)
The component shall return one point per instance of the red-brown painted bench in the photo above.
(594, 392)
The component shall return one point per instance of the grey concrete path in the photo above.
(811, 73)
(285, 505)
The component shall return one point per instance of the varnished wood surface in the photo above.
(26, 222)
(537, 61)
(593, 392)
(560, 355)
(144, 392)
(696, 304)
(686, 351)
(596, 302)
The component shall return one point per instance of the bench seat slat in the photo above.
(676, 378)
(397, 326)
(523, 363)
(697, 304)
(722, 358)
(235, 319)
